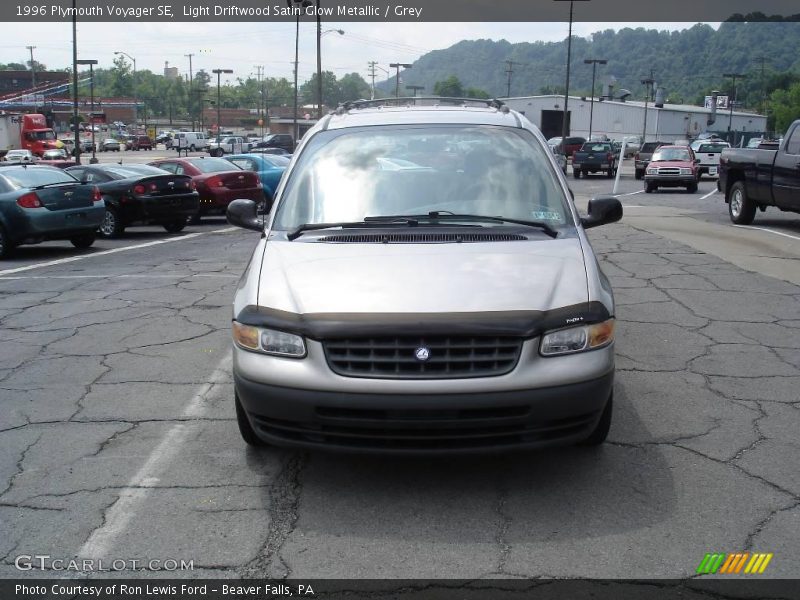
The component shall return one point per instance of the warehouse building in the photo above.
(617, 119)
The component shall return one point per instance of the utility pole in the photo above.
(649, 81)
(397, 66)
(510, 72)
(191, 79)
(372, 75)
(33, 67)
(731, 101)
(218, 73)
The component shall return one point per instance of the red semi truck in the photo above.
(26, 132)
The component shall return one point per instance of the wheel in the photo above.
(83, 241)
(691, 188)
(245, 428)
(175, 226)
(192, 148)
(576, 174)
(112, 226)
(219, 153)
(600, 433)
(194, 219)
(649, 188)
(6, 245)
(610, 173)
(638, 174)
(741, 208)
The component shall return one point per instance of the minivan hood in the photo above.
(317, 277)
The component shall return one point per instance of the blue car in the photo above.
(269, 167)
(39, 203)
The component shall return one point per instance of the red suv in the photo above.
(672, 166)
(218, 182)
(140, 142)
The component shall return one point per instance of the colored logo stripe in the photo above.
(734, 563)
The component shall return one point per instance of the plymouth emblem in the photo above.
(422, 354)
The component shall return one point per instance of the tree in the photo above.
(450, 87)
(472, 92)
(353, 87)
(785, 106)
(330, 90)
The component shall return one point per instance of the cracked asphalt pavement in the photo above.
(118, 436)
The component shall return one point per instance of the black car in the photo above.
(277, 140)
(140, 194)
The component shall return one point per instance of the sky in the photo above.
(242, 46)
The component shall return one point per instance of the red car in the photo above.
(672, 166)
(140, 142)
(218, 181)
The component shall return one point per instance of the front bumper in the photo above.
(673, 181)
(542, 402)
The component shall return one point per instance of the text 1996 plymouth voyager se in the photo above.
(453, 304)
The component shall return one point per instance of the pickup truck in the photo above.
(230, 144)
(709, 154)
(754, 179)
(594, 157)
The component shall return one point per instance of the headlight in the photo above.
(653, 171)
(686, 171)
(268, 341)
(577, 339)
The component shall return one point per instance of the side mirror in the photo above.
(602, 210)
(244, 214)
(697, 161)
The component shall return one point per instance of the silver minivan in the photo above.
(423, 284)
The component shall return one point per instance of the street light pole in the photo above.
(594, 62)
(299, 6)
(731, 100)
(91, 64)
(397, 66)
(218, 73)
(75, 127)
(564, 124)
(135, 96)
(33, 67)
(648, 82)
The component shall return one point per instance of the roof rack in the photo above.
(412, 101)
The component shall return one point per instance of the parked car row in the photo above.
(86, 201)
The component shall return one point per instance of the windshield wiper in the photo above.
(446, 215)
(298, 231)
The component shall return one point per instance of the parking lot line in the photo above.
(794, 237)
(632, 193)
(123, 510)
(61, 261)
(709, 194)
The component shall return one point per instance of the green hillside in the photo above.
(687, 64)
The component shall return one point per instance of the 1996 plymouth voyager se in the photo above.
(452, 303)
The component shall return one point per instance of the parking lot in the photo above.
(119, 438)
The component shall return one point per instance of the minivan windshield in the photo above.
(347, 176)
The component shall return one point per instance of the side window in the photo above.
(241, 163)
(171, 167)
(77, 173)
(793, 145)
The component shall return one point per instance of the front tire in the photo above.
(691, 188)
(600, 433)
(649, 188)
(638, 174)
(83, 241)
(175, 226)
(245, 428)
(191, 148)
(112, 226)
(576, 174)
(741, 208)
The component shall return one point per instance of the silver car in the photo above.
(453, 307)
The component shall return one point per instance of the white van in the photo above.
(190, 140)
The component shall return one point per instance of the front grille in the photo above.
(421, 238)
(449, 357)
(426, 429)
(668, 171)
